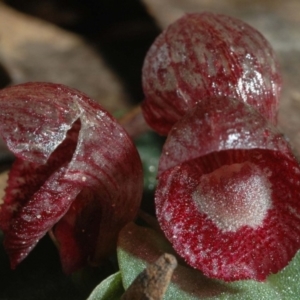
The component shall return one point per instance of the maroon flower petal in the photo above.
(77, 232)
(35, 118)
(66, 146)
(233, 210)
(215, 125)
(204, 55)
(26, 178)
(39, 214)
(88, 225)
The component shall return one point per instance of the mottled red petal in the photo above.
(205, 55)
(35, 118)
(233, 210)
(26, 178)
(89, 224)
(77, 232)
(65, 143)
(215, 125)
(39, 214)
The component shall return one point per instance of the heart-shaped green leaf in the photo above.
(139, 246)
(287, 281)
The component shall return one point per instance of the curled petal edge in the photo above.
(230, 206)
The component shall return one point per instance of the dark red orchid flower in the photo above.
(228, 185)
(205, 55)
(76, 173)
(228, 193)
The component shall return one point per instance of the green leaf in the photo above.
(109, 289)
(139, 246)
(287, 281)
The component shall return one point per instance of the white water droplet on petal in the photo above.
(152, 169)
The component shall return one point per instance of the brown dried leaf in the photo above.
(34, 50)
(259, 12)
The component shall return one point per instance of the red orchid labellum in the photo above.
(228, 192)
(76, 172)
(205, 55)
